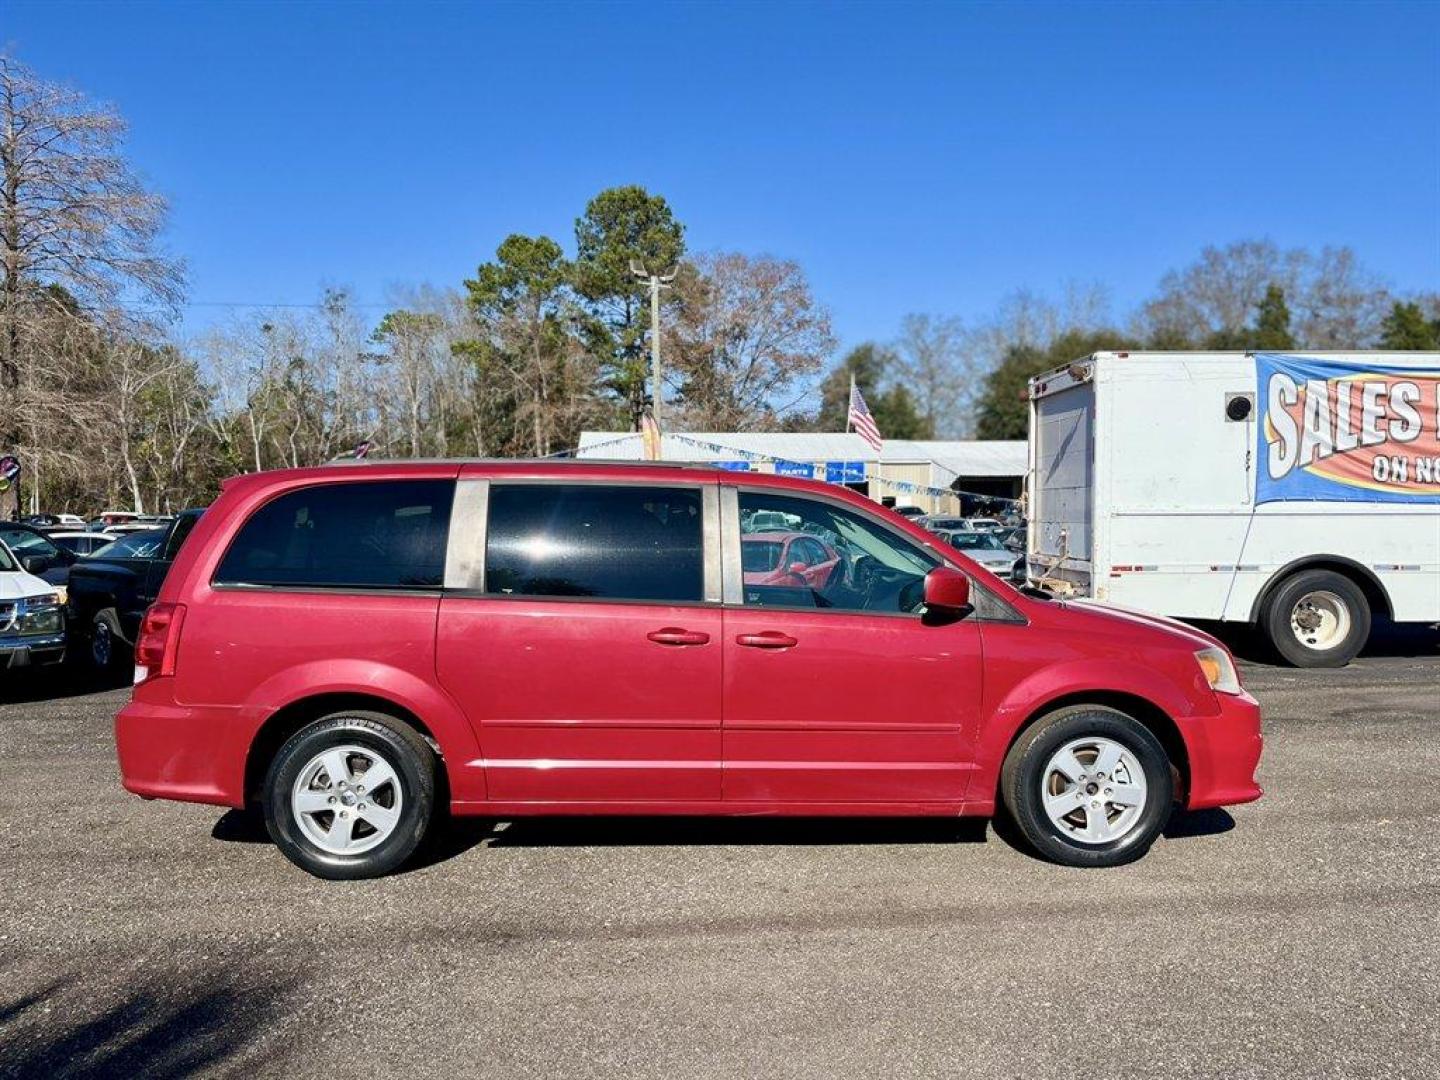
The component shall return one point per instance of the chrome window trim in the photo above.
(465, 546)
(732, 576)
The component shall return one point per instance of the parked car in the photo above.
(341, 646)
(110, 589)
(985, 524)
(909, 511)
(938, 523)
(793, 559)
(32, 618)
(106, 519)
(39, 554)
(82, 543)
(54, 521)
(985, 548)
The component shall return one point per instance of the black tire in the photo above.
(108, 647)
(393, 741)
(1281, 607)
(1023, 774)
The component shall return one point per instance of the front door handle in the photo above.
(768, 639)
(674, 635)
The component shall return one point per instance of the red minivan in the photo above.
(351, 646)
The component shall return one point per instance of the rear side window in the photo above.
(614, 543)
(383, 534)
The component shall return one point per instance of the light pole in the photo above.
(656, 282)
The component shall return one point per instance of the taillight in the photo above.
(158, 641)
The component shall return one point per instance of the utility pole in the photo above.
(656, 283)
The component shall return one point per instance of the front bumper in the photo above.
(1224, 752)
(31, 650)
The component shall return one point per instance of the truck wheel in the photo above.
(1317, 618)
(1088, 786)
(351, 795)
(107, 646)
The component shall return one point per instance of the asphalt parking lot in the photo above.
(1299, 936)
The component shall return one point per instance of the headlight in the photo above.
(42, 615)
(1219, 670)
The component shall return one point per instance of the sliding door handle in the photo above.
(767, 639)
(674, 635)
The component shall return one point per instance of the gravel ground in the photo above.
(1298, 937)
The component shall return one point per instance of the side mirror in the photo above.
(947, 591)
(32, 564)
(798, 568)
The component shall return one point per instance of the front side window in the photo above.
(380, 534)
(840, 559)
(594, 540)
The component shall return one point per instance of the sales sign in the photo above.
(1346, 432)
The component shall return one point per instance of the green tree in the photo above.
(1004, 410)
(895, 410)
(623, 225)
(528, 360)
(1270, 332)
(1406, 328)
(1272, 322)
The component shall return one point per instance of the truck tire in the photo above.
(325, 812)
(1088, 786)
(1316, 618)
(108, 647)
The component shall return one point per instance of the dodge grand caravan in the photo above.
(353, 648)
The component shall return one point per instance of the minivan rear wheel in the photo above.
(1088, 786)
(350, 795)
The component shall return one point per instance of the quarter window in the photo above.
(850, 562)
(593, 540)
(384, 534)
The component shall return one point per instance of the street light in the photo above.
(656, 282)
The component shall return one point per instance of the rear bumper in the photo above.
(171, 751)
(1224, 753)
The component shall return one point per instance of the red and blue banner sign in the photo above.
(1345, 432)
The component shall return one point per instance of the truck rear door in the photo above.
(1062, 477)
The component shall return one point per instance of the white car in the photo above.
(32, 620)
(984, 524)
(985, 548)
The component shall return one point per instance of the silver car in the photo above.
(987, 549)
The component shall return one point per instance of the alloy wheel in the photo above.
(1093, 790)
(347, 799)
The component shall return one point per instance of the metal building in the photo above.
(923, 473)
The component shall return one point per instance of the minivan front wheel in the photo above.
(1088, 786)
(350, 795)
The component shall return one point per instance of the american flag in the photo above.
(861, 420)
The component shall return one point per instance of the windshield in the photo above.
(24, 543)
(137, 545)
(976, 542)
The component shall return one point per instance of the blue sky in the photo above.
(912, 158)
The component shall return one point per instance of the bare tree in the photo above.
(939, 370)
(745, 339)
(78, 231)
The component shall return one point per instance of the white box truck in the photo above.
(1296, 492)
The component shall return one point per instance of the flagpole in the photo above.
(849, 402)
